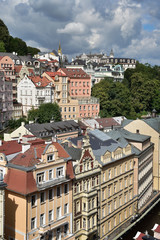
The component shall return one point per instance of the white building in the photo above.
(33, 91)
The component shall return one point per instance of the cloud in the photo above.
(130, 27)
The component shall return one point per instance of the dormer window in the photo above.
(50, 157)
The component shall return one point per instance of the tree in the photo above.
(32, 50)
(2, 47)
(45, 113)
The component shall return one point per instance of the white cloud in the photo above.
(84, 26)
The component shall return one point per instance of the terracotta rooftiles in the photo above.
(69, 171)
(20, 181)
(61, 151)
(53, 74)
(107, 122)
(75, 73)
(10, 147)
(40, 81)
(17, 68)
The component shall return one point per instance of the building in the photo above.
(80, 90)
(59, 130)
(33, 91)
(17, 110)
(39, 184)
(111, 59)
(143, 166)
(6, 100)
(150, 127)
(115, 196)
(86, 187)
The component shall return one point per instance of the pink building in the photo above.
(79, 82)
(80, 89)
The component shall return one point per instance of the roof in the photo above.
(10, 147)
(52, 129)
(75, 73)
(53, 74)
(75, 153)
(20, 181)
(107, 122)
(61, 151)
(39, 81)
(153, 123)
(156, 228)
(17, 68)
(116, 134)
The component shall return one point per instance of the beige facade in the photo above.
(38, 194)
(142, 127)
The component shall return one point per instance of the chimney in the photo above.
(154, 113)
(25, 147)
(54, 139)
(79, 143)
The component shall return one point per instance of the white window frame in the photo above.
(59, 172)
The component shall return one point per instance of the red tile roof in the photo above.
(53, 74)
(70, 172)
(1, 57)
(20, 181)
(10, 147)
(75, 73)
(61, 152)
(40, 81)
(107, 122)
(157, 229)
(17, 68)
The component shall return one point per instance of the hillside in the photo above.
(11, 44)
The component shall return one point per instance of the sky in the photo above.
(130, 27)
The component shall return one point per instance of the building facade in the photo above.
(39, 184)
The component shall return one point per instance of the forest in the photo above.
(138, 94)
(11, 44)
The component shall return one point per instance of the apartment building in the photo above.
(114, 189)
(33, 91)
(150, 127)
(143, 166)
(69, 107)
(6, 100)
(86, 188)
(39, 185)
(80, 90)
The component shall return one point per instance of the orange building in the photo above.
(39, 189)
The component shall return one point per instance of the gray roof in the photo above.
(152, 122)
(51, 129)
(118, 133)
(75, 153)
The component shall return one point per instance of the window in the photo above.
(77, 206)
(58, 234)
(109, 174)
(125, 197)
(69, 109)
(66, 188)
(103, 230)
(120, 200)
(84, 223)
(109, 225)
(115, 171)
(88, 223)
(42, 197)
(58, 191)
(84, 206)
(50, 174)
(93, 222)
(125, 167)
(125, 182)
(42, 219)
(120, 184)
(50, 215)
(40, 177)
(115, 204)
(59, 172)
(33, 223)
(50, 157)
(114, 222)
(58, 212)
(109, 191)
(73, 109)
(50, 194)
(103, 212)
(77, 225)
(33, 200)
(109, 208)
(65, 109)
(103, 192)
(103, 177)
(66, 229)
(92, 202)
(66, 208)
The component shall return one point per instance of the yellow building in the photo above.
(108, 182)
(39, 190)
(150, 127)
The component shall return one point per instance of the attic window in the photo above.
(137, 131)
(50, 157)
(39, 83)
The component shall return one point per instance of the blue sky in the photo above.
(130, 27)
